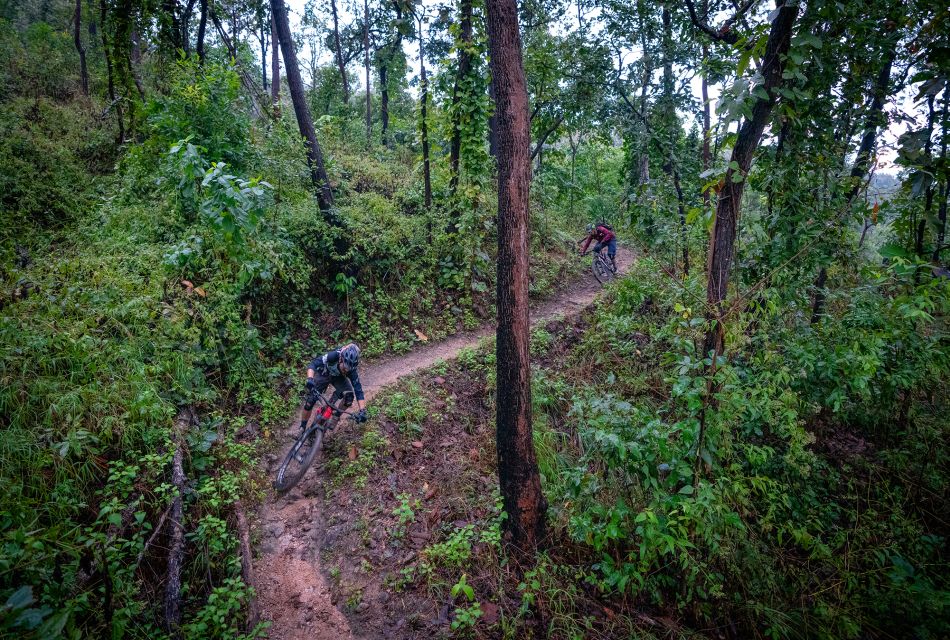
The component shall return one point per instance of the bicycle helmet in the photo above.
(590, 227)
(350, 356)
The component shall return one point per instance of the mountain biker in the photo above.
(604, 234)
(335, 367)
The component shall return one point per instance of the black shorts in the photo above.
(341, 389)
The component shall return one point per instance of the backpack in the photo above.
(605, 226)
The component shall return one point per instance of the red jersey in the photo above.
(600, 234)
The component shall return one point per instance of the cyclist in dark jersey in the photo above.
(605, 236)
(335, 367)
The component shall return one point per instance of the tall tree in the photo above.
(423, 110)
(517, 464)
(318, 173)
(338, 51)
(723, 237)
(274, 64)
(202, 26)
(369, 103)
(464, 46)
(80, 48)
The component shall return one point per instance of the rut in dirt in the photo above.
(292, 588)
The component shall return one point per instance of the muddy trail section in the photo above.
(292, 589)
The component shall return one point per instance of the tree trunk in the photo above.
(77, 39)
(185, 20)
(463, 71)
(942, 197)
(169, 29)
(318, 173)
(264, 35)
(536, 152)
(274, 65)
(339, 53)
(683, 229)
(369, 119)
(707, 128)
(723, 239)
(202, 25)
(862, 161)
(424, 125)
(109, 77)
(384, 103)
(518, 473)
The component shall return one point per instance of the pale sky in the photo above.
(900, 109)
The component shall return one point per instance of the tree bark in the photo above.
(723, 239)
(463, 71)
(369, 119)
(339, 53)
(492, 124)
(384, 103)
(318, 173)
(424, 125)
(202, 25)
(518, 473)
(77, 39)
(109, 77)
(274, 64)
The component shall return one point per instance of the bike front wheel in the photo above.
(602, 269)
(298, 460)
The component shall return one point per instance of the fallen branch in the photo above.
(176, 553)
(247, 565)
(151, 538)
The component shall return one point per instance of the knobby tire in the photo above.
(289, 474)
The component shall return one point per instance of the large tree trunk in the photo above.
(464, 69)
(517, 464)
(274, 65)
(318, 173)
(369, 116)
(672, 123)
(202, 25)
(339, 53)
(424, 125)
(723, 239)
(77, 39)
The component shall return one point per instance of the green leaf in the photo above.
(687, 490)
(20, 598)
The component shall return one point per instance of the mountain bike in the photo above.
(309, 441)
(603, 267)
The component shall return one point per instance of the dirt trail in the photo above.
(292, 590)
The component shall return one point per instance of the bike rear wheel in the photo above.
(298, 460)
